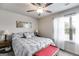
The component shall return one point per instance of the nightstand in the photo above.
(38, 35)
(4, 45)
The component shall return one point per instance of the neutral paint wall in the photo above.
(46, 23)
(8, 21)
(45, 27)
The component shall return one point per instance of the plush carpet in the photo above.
(64, 53)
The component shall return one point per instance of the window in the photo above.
(66, 28)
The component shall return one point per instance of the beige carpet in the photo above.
(64, 53)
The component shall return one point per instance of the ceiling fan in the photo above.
(41, 7)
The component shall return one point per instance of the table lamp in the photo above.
(36, 32)
(6, 33)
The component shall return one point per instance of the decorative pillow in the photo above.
(23, 36)
(32, 34)
(28, 35)
(18, 35)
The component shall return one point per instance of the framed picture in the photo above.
(22, 24)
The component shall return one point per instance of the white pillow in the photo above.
(19, 34)
(32, 34)
(27, 35)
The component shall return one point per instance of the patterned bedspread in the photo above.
(27, 47)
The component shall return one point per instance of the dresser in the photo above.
(5, 46)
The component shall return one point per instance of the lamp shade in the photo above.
(6, 32)
(36, 30)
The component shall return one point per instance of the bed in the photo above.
(28, 46)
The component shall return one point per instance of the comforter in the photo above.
(27, 47)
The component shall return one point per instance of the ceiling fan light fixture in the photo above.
(40, 10)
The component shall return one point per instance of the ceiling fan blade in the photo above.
(30, 10)
(67, 4)
(39, 4)
(48, 11)
(33, 4)
(36, 4)
(48, 4)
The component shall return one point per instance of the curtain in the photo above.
(60, 34)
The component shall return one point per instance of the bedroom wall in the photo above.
(8, 21)
(45, 27)
(46, 23)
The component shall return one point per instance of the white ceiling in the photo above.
(23, 7)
